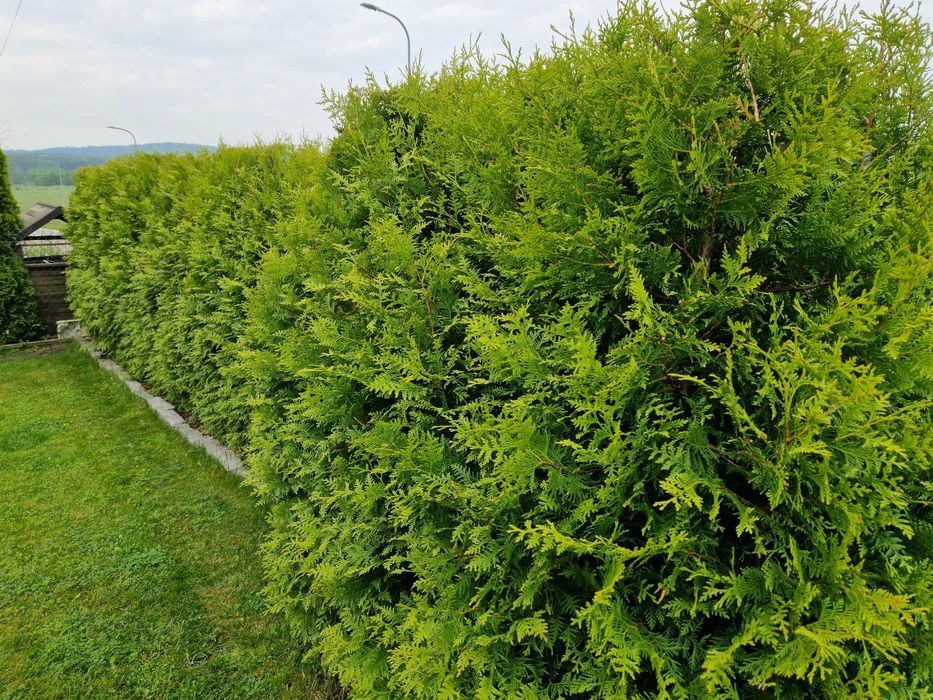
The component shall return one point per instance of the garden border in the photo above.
(162, 408)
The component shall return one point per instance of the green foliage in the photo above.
(19, 313)
(10, 221)
(603, 374)
(164, 248)
(49, 177)
(19, 319)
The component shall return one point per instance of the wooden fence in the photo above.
(48, 279)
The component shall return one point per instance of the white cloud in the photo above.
(193, 70)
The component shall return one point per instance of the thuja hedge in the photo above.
(19, 313)
(600, 374)
(164, 249)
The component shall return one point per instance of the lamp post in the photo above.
(376, 8)
(120, 128)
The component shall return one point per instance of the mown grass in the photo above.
(128, 563)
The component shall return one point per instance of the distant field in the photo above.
(30, 195)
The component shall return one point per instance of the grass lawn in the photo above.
(128, 563)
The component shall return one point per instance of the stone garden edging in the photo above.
(162, 408)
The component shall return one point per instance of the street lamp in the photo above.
(376, 8)
(120, 128)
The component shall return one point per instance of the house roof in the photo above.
(39, 216)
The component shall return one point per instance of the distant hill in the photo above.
(53, 166)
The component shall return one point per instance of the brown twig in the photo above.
(802, 288)
(751, 89)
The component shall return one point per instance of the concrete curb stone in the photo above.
(163, 409)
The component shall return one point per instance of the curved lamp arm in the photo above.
(120, 128)
(376, 8)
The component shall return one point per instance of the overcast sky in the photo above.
(201, 70)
